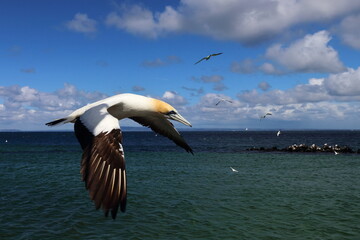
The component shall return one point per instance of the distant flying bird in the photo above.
(278, 133)
(336, 153)
(234, 170)
(223, 100)
(208, 57)
(267, 114)
(98, 132)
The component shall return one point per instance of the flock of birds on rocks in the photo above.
(336, 149)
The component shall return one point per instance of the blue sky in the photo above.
(296, 59)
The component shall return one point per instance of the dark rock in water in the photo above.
(305, 148)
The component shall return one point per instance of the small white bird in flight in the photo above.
(278, 133)
(98, 132)
(336, 153)
(233, 169)
(223, 100)
(208, 57)
(267, 114)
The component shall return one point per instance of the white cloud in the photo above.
(321, 102)
(219, 87)
(268, 68)
(34, 107)
(82, 23)
(340, 87)
(248, 22)
(194, 91)
(309, 54)
(349, 31)
(344, 84)
(217, 80)
(264, 86)
(246, 66)
(212, 79)
(138, 88)
(141, 21)
(174, 98)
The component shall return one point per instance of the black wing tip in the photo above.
(53, 123)
(114, 211)
(189, 150)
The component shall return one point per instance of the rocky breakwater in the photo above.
(306, 148)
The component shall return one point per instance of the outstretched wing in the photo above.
(215, 54)
(164, 127)
(103, 162)
(200, 60)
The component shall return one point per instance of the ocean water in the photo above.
(176, 195)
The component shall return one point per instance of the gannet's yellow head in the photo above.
(169, 112)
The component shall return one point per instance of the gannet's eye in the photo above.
(171, 112)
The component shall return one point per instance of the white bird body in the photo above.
(125, 105)
(278, 133)
(233, 169)
(98, 131)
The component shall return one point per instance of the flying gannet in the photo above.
(98, 131)
(208, 57)
(233, 169)
(278, 133)
(223, 100)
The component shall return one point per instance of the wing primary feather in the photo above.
(123, 192)
(102, 161)
(166, 128)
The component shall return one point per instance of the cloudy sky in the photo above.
(298, 59)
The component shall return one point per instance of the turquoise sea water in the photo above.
(175, 195)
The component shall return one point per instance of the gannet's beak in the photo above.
(179, 118)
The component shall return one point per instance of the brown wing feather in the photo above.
(165, 128)
(103, 168)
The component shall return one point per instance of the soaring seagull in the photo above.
(98, 131)
(267, 114)
(223, 100)
(208, 57)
